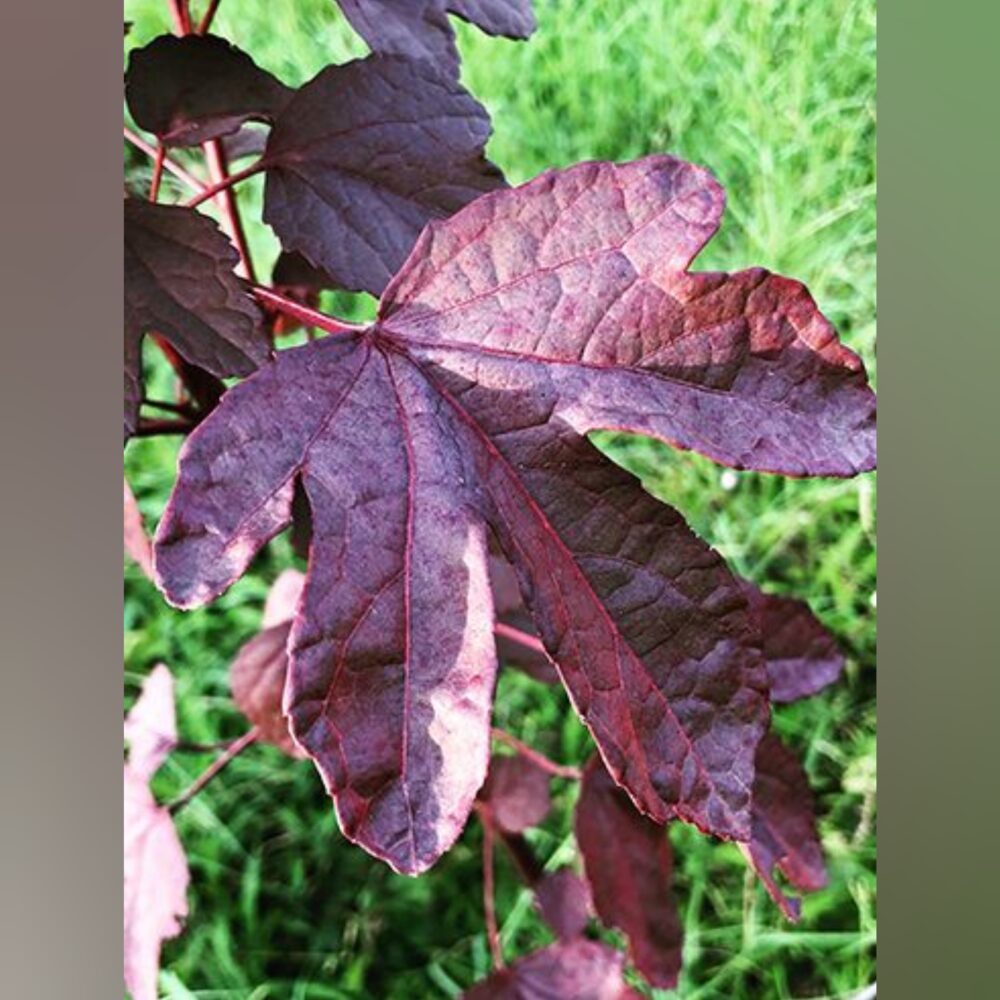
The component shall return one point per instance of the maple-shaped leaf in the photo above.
(784, 826)
(578, 969)
(137, 544)
(156, 872)
(363, 156)
(156, 881)
(189, 90)
(629, 865)
(456, 417)
(802, 655)
(564, 903)
(257, 674)
(151, 725)
(516, 793)
(420, 28)
(180, 283)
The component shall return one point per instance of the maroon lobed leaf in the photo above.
(629, 865)
(564, 902)
(257, 674)
(516, 793)
(784, 826)
(459, 416)
(579, 969)
(363, 156)
(180, 283)
(420, 29)
(137, 544)
(151, 725)
(199, 87)
(802, 655)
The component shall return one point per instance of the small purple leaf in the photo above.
(516, 793)
(564, 903)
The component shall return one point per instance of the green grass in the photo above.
(777, 98)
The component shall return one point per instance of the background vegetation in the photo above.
(777, 98)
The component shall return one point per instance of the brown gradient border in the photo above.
(939, 691)
(60, 613)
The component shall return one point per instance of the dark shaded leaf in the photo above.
(629, 865)
(180, 283)
(249, 141)
(257, 674)
(363, 156)
(564, 903)
(516, 792)
(574, 970)
(802, 655)
(457, 417)
(420, 29)
(295, 278)
(511, 18)
(137, 544)
(199, 87)
(784, 826)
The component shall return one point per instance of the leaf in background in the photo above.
(151, 725)
(257, 674)
(199, 87)
(511, 18)
(137, 544)
(629, 865)
(532, 316)
(295, 278)
(580, 969)
(516, 792)
(802, 655)
(564, 903)
(156, 881)
(156, 872)
(363, 156)
(420, 28)
(784, 826)
(180, 283)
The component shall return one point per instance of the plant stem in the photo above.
(230, 753)
(521, 638)
(181, 409)
(189, 746)
(310, 317)
(172, 165)
(181, 17)
(153, 428)
(154, 185)
(537, 758)
(489, 896)
(206, 21)
(225, 181)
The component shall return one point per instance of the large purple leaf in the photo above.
(574, 970)
(629, 865)
(367, 153)
(199, 87)
(412, 449)
(392, 650)
(420, 28)
(180, 283)
(784, 826)
(802, 655)
(577, 281)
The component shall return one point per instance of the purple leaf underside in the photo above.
(455, 418)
